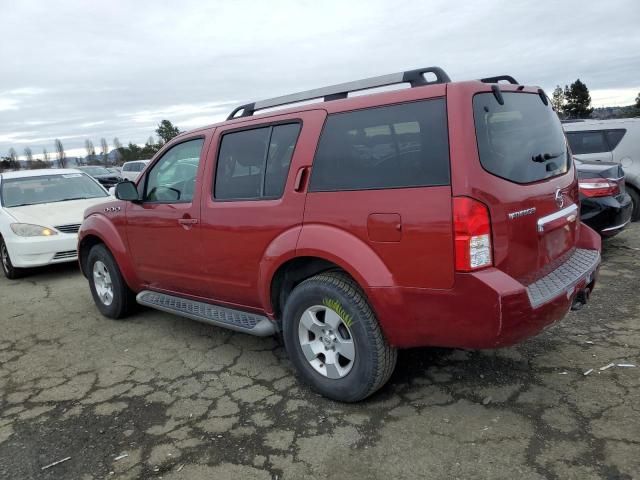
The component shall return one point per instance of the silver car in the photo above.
(616, 141)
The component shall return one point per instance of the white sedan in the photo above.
(40, 214)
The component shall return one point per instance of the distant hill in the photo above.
(604, 113)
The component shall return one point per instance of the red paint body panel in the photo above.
(485, 309)
(424, 255)
(110, 228)
(167, 254)
(237, 234)
(398, 244)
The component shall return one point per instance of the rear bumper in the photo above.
(28, 252)
(607, 215)
(485, 309)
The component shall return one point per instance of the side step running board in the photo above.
(205, 312)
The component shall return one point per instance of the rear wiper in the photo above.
(543, 157)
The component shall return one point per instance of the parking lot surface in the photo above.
(161, 396)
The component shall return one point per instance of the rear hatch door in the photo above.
(523, 172)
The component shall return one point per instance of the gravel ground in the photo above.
(160, 396)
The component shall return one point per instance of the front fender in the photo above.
(101, 227)
(347, 251)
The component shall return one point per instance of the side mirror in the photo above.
(127, 191)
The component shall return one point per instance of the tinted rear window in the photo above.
(385, 147)
(522, 140)
(614, 137)
(595, 141)
(587, 142)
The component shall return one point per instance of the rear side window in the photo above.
(521, 141)
(133, 167)
(397, 146)
(587, 142)
(614, 137)
(254, 164)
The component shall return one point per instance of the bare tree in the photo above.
(62, 156)
(13, 158)
(117, 146)
(91, 151)
(29, 157)
(104, 147)
(45, 158)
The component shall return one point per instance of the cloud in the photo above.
(8, 104)
(80, 70)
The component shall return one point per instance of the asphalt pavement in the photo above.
(160, 396)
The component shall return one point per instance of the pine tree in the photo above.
(578, 100)
(166, 131)
(557, 99)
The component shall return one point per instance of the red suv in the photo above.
(444, 214)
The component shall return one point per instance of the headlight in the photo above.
(29, 230)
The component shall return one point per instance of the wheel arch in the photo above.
(320, 248)
(96, 229)
(291, 273)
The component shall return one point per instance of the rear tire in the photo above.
(112, 295)
(334, 340)
(11, 272)
(635, 199)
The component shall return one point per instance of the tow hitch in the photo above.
(581, 299)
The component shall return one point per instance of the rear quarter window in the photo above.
(521, 141)
(396, 146)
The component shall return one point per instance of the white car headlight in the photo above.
(29, 230)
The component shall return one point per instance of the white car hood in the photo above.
(56, 213)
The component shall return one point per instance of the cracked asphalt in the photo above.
(161, 396)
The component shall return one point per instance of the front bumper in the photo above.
(488, 308)
(607, 215)
(26, 252)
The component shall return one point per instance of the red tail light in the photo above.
(472, 229)
(598, 187)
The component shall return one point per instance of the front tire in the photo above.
(110, 292)
(334, 340)
(8, 269)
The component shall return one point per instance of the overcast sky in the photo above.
(79, 70)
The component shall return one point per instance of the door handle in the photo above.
(298, 185)
(187, 221)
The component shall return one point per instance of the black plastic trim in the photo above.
(498, 78)
(416, 77)
(498, 94)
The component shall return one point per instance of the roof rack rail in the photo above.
(334, 92)
(497, 78)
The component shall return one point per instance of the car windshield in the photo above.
(96, 170)
(16, 192)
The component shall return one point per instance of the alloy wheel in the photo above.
(102, 282)
(326, 341)
(5, 258)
